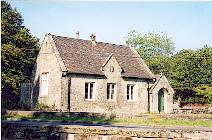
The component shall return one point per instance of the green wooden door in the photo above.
(160, 101)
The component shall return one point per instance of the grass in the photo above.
(166, 122)
(154, 120)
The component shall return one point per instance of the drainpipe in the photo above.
(69, 94)
(148, 98)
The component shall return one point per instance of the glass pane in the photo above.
(108, 91)
(128, 92)
(112, 95)
(46, 89)
(112, 92)
(86, 90)
(91, 90)
(132, 92)
(128, 97)
(43, 87)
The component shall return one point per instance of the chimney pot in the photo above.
(93, 39)
(77, 34)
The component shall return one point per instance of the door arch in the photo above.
(161, 100)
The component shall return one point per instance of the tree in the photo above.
(19, 50)
(206, 91)
(189, 72)
(191, 68)
(151, 44)
(154, 48)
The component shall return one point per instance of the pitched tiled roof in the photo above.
(81, 56)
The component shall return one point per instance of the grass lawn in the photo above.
(155, 120)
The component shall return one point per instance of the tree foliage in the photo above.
(151, 44)
(155, 48)
(206, 91)
(189, 71)
(191, 68)
(19, 50)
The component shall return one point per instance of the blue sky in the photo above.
(188, 23)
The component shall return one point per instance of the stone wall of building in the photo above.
(47, 62)
(100, 103)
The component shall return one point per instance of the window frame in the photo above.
(112, 91)
(90, 97)
(130, 92)
(44, 92)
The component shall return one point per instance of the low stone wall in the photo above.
(56, 131)
(192, 111)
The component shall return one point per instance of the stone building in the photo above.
(88, 76)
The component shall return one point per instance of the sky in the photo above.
(188, 23)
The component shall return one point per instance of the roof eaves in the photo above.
(137, 77)
(79, 73)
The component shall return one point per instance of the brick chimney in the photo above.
(93, 39)
(77, 34)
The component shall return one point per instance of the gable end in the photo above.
(56, 52)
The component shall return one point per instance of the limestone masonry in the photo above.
(79, 75)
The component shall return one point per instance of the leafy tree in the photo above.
(151, 44)
(206, 91)
(154, 48)
(191, 68)
(189, 71)
(19, 50)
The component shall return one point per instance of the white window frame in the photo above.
(89, 91)
(131, 92)
(44, 84)
(110, 92)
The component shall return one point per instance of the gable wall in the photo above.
(168, 96)
(47, 62)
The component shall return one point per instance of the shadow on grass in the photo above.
(62, 117)
(50, 125)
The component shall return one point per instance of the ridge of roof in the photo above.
(113, 44)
